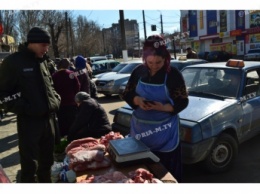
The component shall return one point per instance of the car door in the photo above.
(250, 102)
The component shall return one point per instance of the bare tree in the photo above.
(55, 20)
(27, 20)
(88, 37)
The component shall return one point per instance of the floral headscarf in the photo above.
(156, 45)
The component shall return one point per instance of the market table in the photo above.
(156, 168)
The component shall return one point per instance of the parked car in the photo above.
(109, 84)
(103, 66)
(113, 71)
(252, 55)
(110, 56)
(203, 55)
(184, 62)
(217, 56)
(215, 123)
(97, 58)
(179, 64)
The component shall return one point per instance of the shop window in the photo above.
(217, 40)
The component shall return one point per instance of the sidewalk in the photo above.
(9, 156)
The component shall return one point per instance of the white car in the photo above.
(109, 84)
(252, 55)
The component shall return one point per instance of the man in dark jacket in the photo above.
(191, 54)
(91, 119)
(26, 89)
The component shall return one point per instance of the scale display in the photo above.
(130, 149)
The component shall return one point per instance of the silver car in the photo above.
(113, 71)
(109, 84)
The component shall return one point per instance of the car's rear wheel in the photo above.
(222, 154)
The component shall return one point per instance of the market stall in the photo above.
(110, 159)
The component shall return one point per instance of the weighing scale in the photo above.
(130, 150)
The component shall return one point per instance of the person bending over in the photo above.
(91, 119)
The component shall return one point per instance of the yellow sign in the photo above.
(254, 38)
(8, 39)
(222, 47)
(201, 20)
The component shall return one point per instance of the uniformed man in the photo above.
(26, 89)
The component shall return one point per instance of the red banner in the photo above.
(184, 25)
(253, 30)
(236, 32)
(1, 29)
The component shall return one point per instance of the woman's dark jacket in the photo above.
(175, 84)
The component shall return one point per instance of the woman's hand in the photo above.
(140, 101)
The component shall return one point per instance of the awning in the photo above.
(209, 37)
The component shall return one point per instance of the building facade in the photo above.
(113, 40)
(234, 31)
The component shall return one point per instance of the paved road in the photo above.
(246, 168)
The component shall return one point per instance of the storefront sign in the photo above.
(254, 38)
(223, 34)
(221, 47)
(240, 19)
(236, 32)
(223, 20)
(201, 20)
(184, 25)
(255, 19)
(254, 46)
(196, 45)
(253, 30)
(209, 37)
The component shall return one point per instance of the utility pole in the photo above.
(103, 37)
(122, 27)
(67, 32)
(161, 25)
(144, 26)
(174, 48)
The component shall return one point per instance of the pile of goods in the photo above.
(138, 176)
(83, 154)
(90, 154)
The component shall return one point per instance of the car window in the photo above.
(129, 68)
(177, 65)
(95, 67)
(252, 83)
(112, 65)
(103, 66)
(212, 81)
(118, 67)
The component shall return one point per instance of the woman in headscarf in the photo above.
(157, 93)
